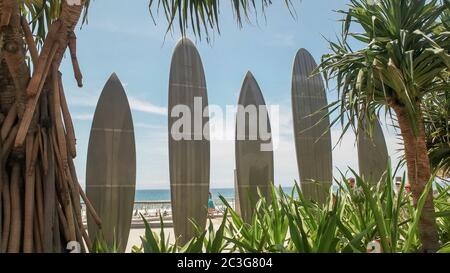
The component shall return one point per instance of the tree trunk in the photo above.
(14, 51)
(419, 174)
(42, 194)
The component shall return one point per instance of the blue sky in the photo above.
(121, 37)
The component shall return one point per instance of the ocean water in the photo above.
(164, 195)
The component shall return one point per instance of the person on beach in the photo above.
(335, 189)
(211, 206)
(351, 182)
(398, 184)
(408, 188)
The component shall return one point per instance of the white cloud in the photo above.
(82, 99)
(136, 104)
(141, 105)
(83, 117)
(282, 40)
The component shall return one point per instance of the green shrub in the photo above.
(289, 223)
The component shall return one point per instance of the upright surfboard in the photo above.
(254, 150)
(111, 165)
(312, 140)
(372, 153)
(189, 146)
(236, 195)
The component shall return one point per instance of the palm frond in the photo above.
(41, 13)
(202, 16)
(436, 108)
(402, 53)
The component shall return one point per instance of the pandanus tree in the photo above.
(40, 193)
(400, 62)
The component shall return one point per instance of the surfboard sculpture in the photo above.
(254, 150)
(189, 146)
(111, 165)
(313, 147)
(236, 195)
(373, 155)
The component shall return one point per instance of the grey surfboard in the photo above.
(111, 165)
(236, 194)
(189, 149)
(372, 153)
(254, 151)
(313, 147)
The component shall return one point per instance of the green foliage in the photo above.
(203, 16)
(41, 13)
(101, 245)
(266, 233)
(442, 204)
(403, 55)
(289, 223)
(436, 108)
(445, 249)
(152, 243)
(214, 241)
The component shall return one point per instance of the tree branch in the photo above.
(70, 15)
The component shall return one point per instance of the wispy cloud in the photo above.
(81, 99)
(83, 117)
(136, 104)
(282, 40)
(141, 105)
(113, 27)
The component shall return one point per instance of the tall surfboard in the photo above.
(111, 165)
(372, 153)
(312, 140)
(189, 148)
(254, 150)
(236, 194)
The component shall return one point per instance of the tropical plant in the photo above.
(101, 245)
(203, 16)
(205, 241)
(442, 203)
(350, 220)
(437, 112)
(396, 220)
(213, 241)
(437, 127)
(41, 14)
(152, 243)
(399, 63)
(267, 231)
